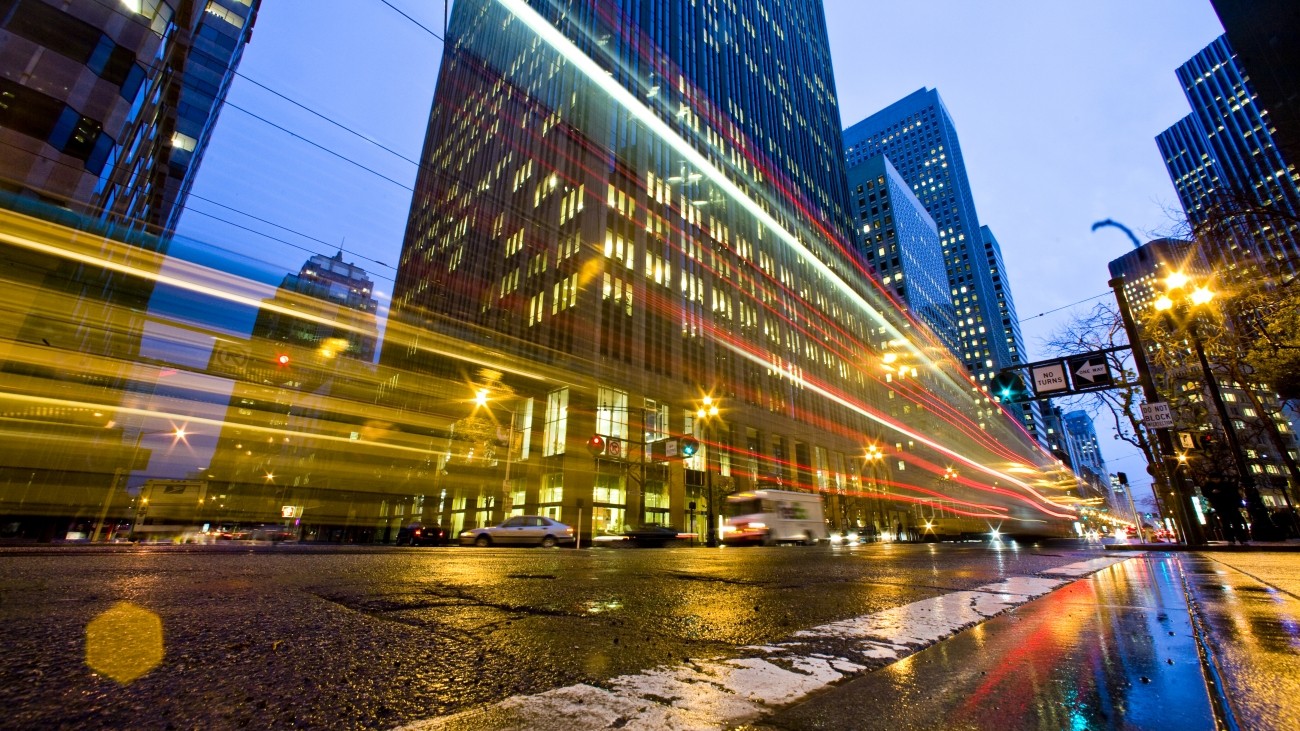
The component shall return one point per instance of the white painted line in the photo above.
(1084, 568)
(725, 692)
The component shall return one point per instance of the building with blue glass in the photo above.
(110, 105)
(919, 137)
(899, 241)
(1240, 192)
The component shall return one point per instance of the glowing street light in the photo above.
(707, 412)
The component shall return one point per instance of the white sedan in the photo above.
(520, 530)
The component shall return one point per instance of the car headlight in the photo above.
(466, 534)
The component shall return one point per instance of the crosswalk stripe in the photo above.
(727, 691)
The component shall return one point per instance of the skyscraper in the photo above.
(1229, 170)
(900, 242)
(1266, 36)
(344, 307)
(1086, 451)
(108, 106)
(919, 137)
(623, 212)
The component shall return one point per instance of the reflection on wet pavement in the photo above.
(1112, 651)
(1252, 616)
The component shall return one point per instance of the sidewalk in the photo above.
(1161, 641)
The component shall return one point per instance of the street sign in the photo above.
(614, 447)
(1157, 415)
(1090, 371)
(1049, 378)
(1186, 440)
(670, 448)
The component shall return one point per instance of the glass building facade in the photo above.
(110, 105)
(1228, 168)
(628, 209)
(919, 137)
(900, 243)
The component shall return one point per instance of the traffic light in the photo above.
(596, 445)
(1123, 478)
(1007, 387)
(689, 447)
(1206, 441)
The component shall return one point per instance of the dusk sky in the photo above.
(1056, 104)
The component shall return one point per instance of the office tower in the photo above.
(624, 211)
(110, 105)
(918, 136)
(1266, 36)
(1030, 411)
(344, 306)
(1230, 173)
(1086, 451)
(900, 242)
(1144, 271)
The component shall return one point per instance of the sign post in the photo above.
(1049, 378)
(1157, 415)
(1089, 372)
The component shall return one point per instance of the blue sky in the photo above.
(1056, 105)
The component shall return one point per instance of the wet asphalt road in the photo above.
(286, 637)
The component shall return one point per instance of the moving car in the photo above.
(651, 535)
(419, 534)
(520, 530)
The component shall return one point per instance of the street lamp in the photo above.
(873, 458)
(178, 435)
(1180, 295)
(481, 399)
(1164, 446)
(707, 412)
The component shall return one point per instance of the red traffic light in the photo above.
(282, 359)
(596, 445)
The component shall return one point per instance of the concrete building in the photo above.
(1181, 381)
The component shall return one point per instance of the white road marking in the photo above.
(723, 692)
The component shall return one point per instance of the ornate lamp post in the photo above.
(1181, 296)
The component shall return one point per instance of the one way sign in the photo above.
(1089, 372)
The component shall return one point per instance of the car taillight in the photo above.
(417, 531)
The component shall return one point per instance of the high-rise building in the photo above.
(1086, 451)
(1229, 171)
(900, 242)
(919, 137)
(1266, 36)
(624, 210)
(108, 106)
(344, 306)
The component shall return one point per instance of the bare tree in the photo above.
(1102, 329)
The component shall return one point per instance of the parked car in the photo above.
(520, 530)
(419, 534)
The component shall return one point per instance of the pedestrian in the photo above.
(1225, 498)
(898, 531)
